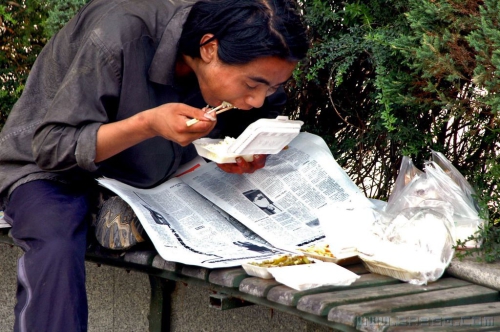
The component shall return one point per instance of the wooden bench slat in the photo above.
(350, 314)
(257, 287)
(143, 257)
(160, 263)
(320, 304)
(479, 315)
(195, 272)
(230, 277)
(290, 297)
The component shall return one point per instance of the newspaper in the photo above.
(214, 219)
(3, 223)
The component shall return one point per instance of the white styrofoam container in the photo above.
(265, 272)
(203, 147)
(308, 276)
(257, 271)
(264, 136)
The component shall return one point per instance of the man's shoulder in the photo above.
(123, 20)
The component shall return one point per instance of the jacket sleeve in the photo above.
(67, 136)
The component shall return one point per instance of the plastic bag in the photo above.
(437, 184)
(455, 175)
(425, 216)
(417, 245)
(407, 172)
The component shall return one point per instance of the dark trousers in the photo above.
(50, 222)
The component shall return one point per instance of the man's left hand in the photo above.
(242, 166)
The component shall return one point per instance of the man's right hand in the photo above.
(169, 121)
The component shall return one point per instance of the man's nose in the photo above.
(256, 99)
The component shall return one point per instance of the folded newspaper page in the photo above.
(215, 219)
(3, 223)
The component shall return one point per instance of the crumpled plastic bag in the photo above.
(442, 184)
(425, 216)
(417, 245)
(450, 170)
(407, 172)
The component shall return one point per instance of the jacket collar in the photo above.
(162, 69)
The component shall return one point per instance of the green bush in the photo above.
(60, 12)
(25, 26)
(21, 39)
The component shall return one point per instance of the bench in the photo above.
(372, 303)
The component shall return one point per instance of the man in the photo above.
(264, 204)
(110, 95)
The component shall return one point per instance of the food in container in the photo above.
(264, 136)
(217, 150)
(262, 268)
(320, 251)
(323, 253)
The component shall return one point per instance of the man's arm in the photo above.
(167, 121)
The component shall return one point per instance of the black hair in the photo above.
(246, 30)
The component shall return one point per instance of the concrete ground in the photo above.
(119, 302)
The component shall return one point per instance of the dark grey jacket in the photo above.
(115, 58)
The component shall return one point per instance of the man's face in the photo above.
(244, 86)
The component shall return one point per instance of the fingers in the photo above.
(200, 116)
(169, 121)
(242, 166)
(230, 168)
(259, 161)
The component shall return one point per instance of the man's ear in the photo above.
(208, 50)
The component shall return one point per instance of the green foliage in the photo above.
(25, 26)
(354, 89)
(488, 235)
(61, 11)
(489, 250)
(486, 43)
(21, 39)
